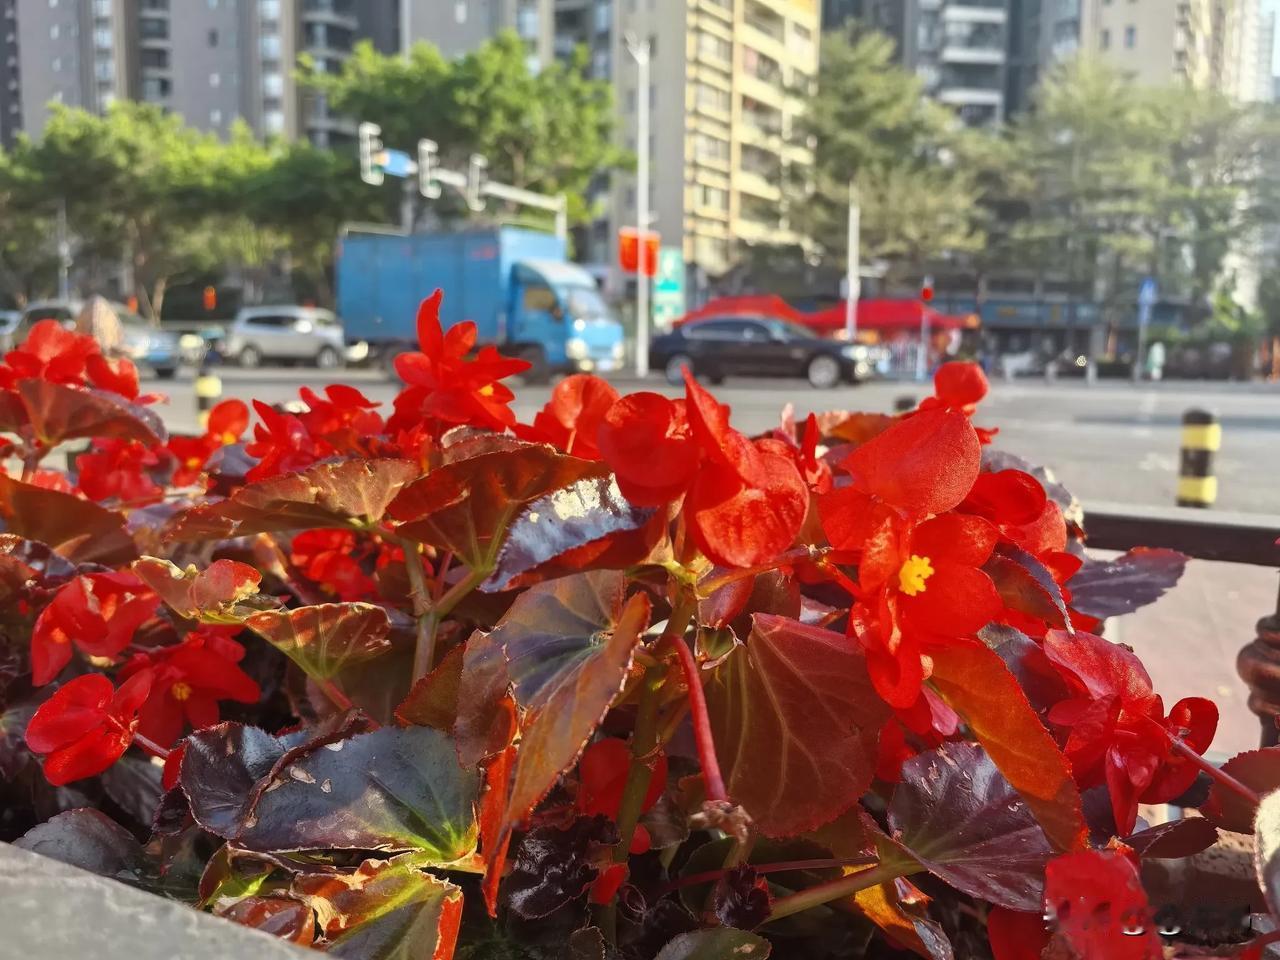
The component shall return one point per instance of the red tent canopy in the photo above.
(884, 316)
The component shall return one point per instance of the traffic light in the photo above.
(629, 251)
(427, 184)
(926, 290)
(370, 148)
(210, 299)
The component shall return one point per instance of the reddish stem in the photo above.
(761, 869)
(1224, 778)
(339, 699)
(151, 746)
(701, 721)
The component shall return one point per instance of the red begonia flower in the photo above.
(97, 612)
(646, 440)
(603, 772)
(188, 680)
(1006, 497)
(1096, 903)
(1116, 729)
(443, 384)
(51, 353)
(329, 559)
(116, 469)
(572, 417)
(118, 375)
(343, 416)
(742, 521)
(922, 465)
(281, 444)
(228, 421)
(86, 725)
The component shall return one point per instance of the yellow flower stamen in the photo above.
(180, 690)
(486, 390)
(913, 574)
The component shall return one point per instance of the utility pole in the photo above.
(640, 51)
(853, 284)
(64, 253)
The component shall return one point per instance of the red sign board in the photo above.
(629, 251)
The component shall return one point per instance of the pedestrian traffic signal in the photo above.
(629, 251)
(370, 148)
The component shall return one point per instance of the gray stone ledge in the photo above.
(51, 911)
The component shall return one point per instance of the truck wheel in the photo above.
(539, 372)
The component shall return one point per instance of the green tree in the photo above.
(550, 131)
(139, 184)
(871, 125)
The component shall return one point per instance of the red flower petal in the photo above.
(1015, 935)
(709, 420)
(645, 441)
(1007, 496)
(922, 465)
(1100, 908)
(957, 601)
(89, 755)
(228, 420)
(430, 335)
(739, 525)
(76, 708)
(1100, 668)
(955, 538)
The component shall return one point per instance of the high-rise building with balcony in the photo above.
(212, 62)
(459, 26)
(723, 101)
(959, 47)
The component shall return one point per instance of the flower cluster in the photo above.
(622, 675)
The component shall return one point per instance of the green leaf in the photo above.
(466, 506)
(569, 645)
(325, 638)
(796, 724)
(341, 494)
(391, 789)
(957, 814)
(385, 910)
(722, 943)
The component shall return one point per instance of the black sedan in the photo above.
(719, 347)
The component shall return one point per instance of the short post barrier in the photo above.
(208, 388)
(1201, 440)
(904, 403)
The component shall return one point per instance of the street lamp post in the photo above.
(853, 285)
(639, 50)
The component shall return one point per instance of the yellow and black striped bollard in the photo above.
(1201, 440)
(208, 391)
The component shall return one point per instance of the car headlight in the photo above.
(576, 349)
(619, 350)
(854, 351)
(191, 341)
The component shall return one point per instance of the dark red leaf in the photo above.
(325, 638)
(385, 909)
(467, 506)
(581, 513)
(1109, 588)
(1026, 585)
(87, 839)
(718, 943)
(325, 495)
(1257, 769)
(978, 686)
(433, 701)
(898, 908)
(1174, 840)
(554, 867)
(957, 814)
(796, 723)
(79, 530)
(59, 413)
(216, 595)
(281, 917)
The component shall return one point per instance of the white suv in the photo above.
(294, 333)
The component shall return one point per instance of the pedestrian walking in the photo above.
(100, 321)
(1155, 361)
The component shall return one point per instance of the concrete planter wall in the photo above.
(50, 911)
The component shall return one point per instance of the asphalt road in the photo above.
(1107, 442)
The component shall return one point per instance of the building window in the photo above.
(215, 79)
(156, 88)
(527, 21)
(707, 147)
(460, 12)
(273, 121)
(713, 197)
(1105, 40)
(600, 63)
(215, 117)
(603, 16)
(1130, 37)
(213, 38)
(156, 59)
(713, 98)
(155, 4)
(153, 28)
(56, 64)
(53, 32)
(713, 47)
(270, 47)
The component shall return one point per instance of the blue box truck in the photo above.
(516, 285)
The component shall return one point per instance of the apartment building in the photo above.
(959, 47)
(459, 26)
(213, 62)
(722, 94)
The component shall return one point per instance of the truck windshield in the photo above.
(584, 303)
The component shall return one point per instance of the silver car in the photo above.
(293, 333)
(147, 345)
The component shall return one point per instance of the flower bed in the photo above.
(622, 682)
